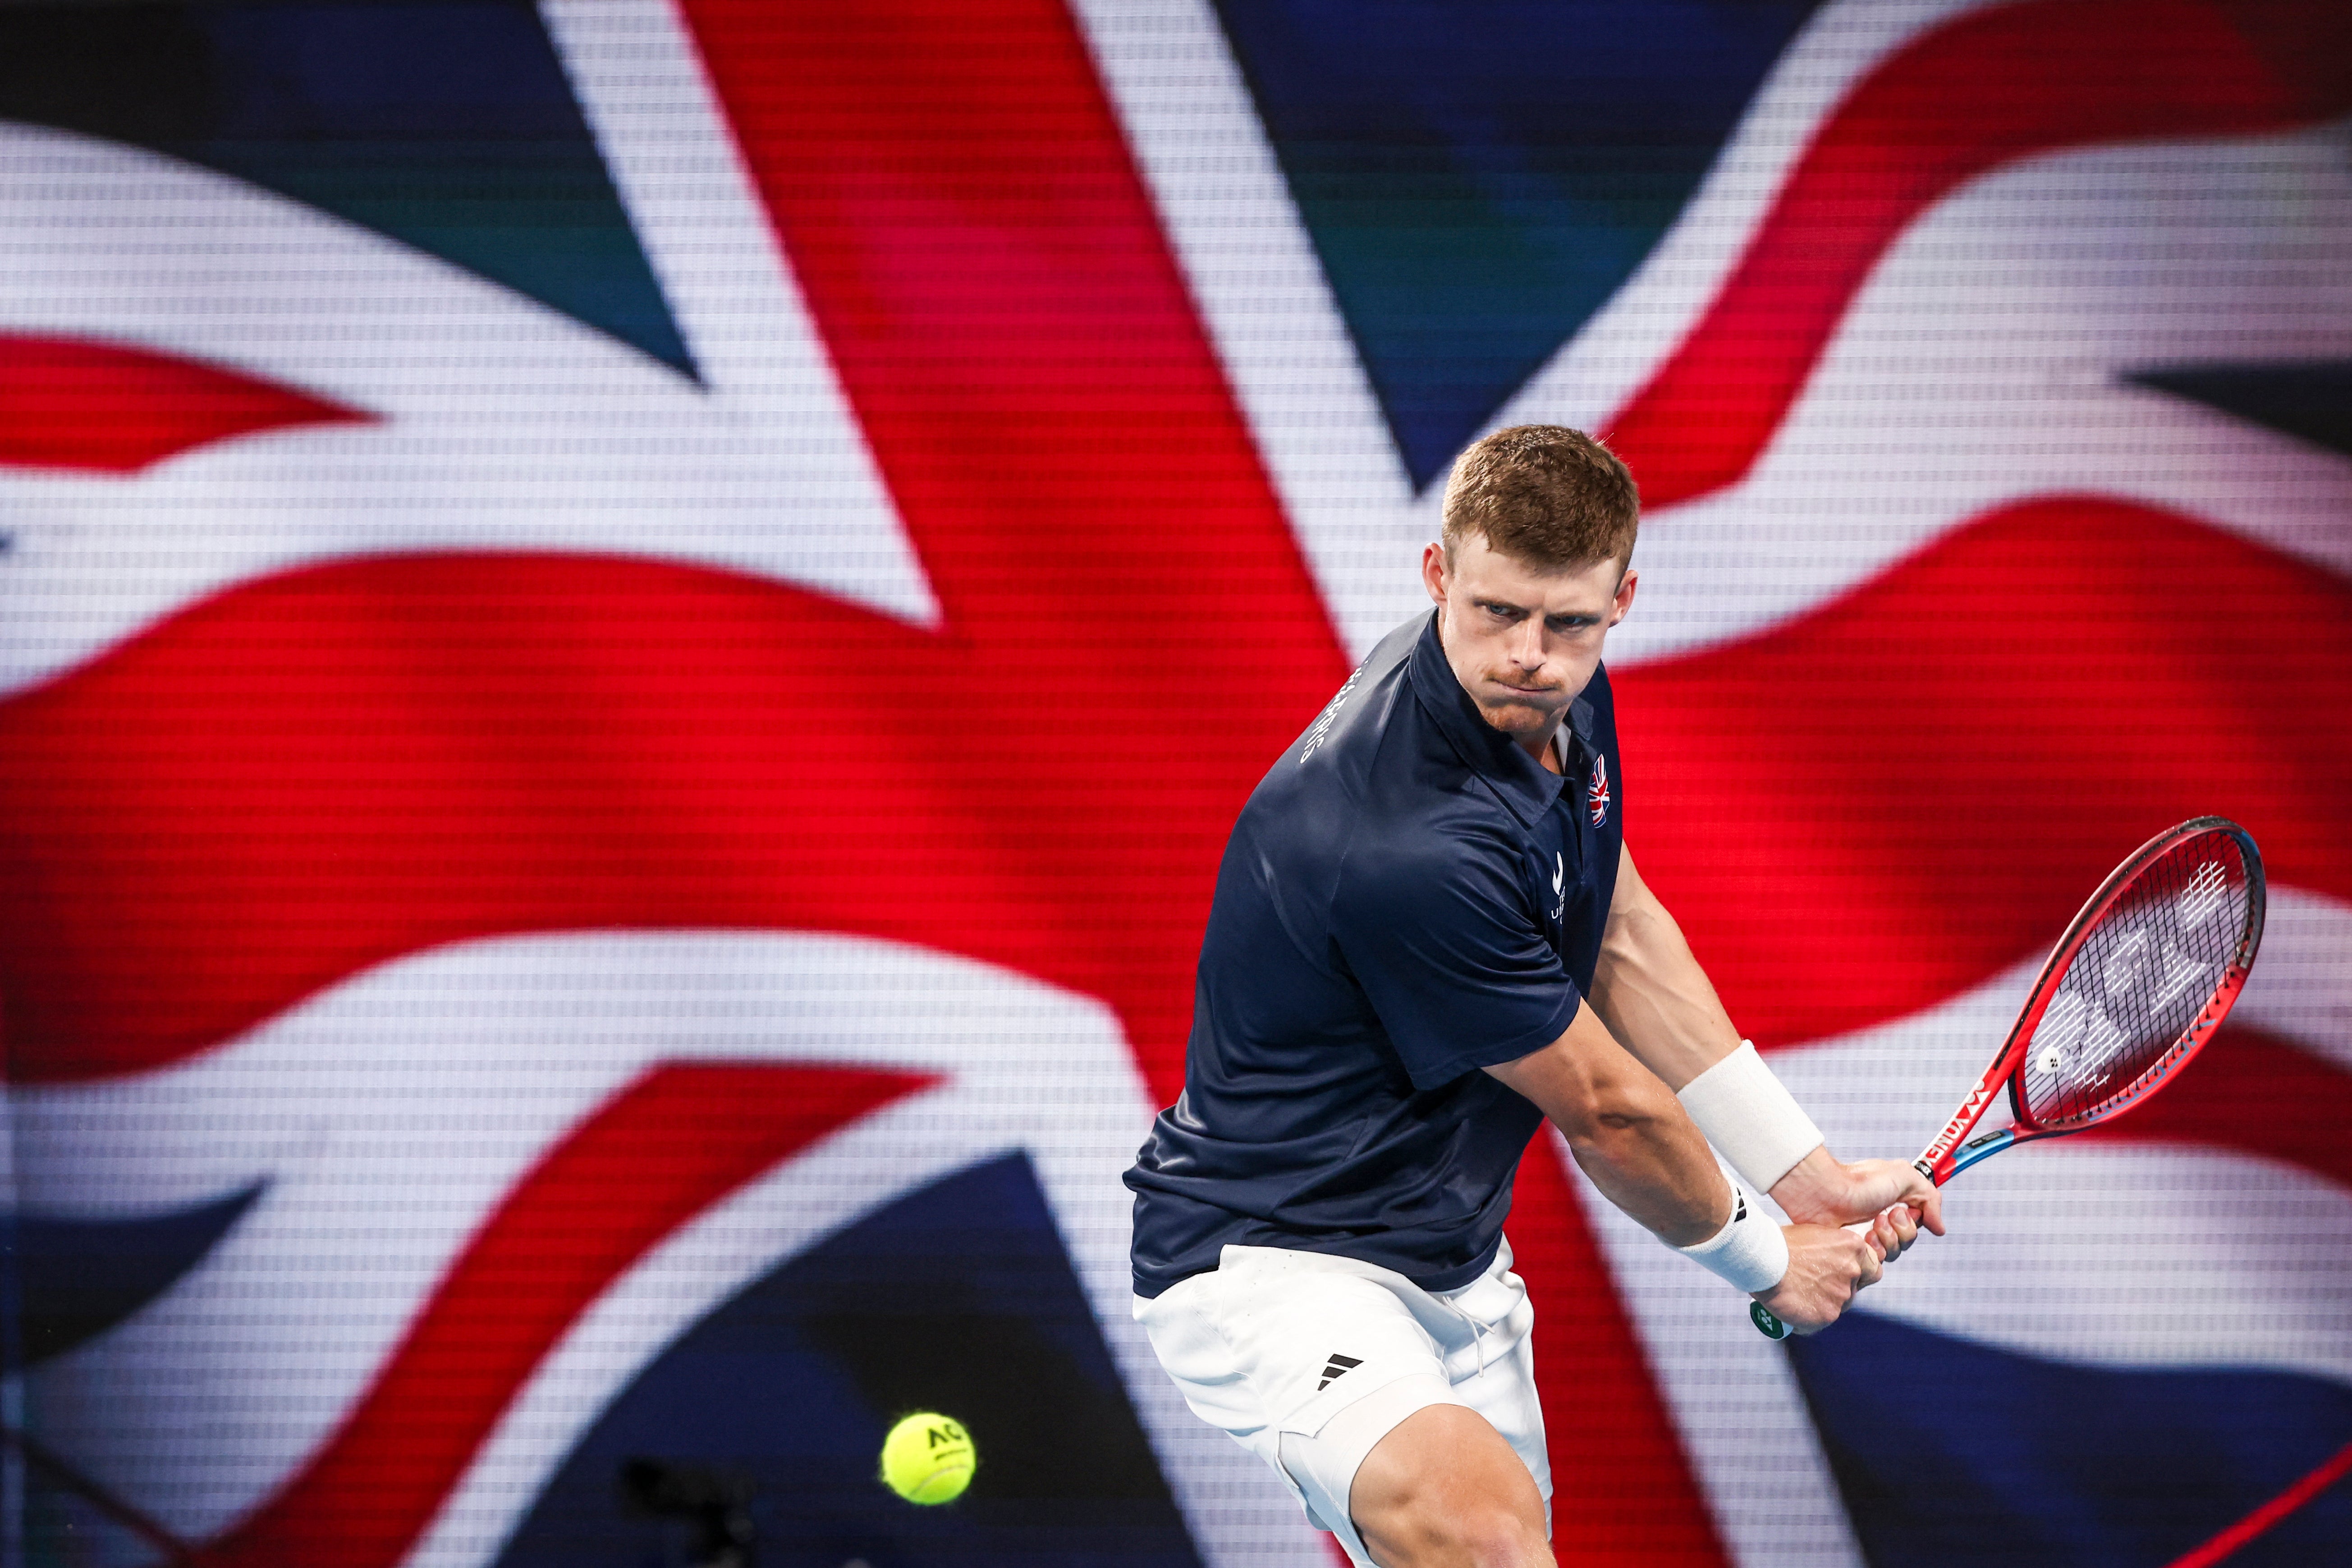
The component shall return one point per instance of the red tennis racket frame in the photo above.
(1947, 1156)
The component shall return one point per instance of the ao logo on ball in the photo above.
(928, 1458)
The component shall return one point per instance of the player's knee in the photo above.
(1499, 1538)
(1445, 1488)
(1430, 1530)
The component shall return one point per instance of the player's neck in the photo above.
(1546, 750)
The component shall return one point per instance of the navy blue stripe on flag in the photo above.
(1478, 179)
(78, 1277)
(450, 127)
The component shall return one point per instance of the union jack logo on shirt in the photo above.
(1596, 794)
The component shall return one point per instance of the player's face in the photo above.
(1523, 642)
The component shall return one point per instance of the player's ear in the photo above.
(1432, 572)
(1624, 602)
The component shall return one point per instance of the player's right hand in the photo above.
(1827, 1264)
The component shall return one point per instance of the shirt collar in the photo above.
(1526, 785)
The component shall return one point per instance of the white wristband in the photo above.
(1753, 1123)
(1749, 1250)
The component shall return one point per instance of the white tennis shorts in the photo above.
(1308, 1360)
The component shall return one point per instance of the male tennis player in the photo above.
(1427, 936)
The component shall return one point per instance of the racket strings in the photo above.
(2144, 973)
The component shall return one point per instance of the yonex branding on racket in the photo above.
(2141, 979)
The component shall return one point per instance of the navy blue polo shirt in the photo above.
(1408, 898)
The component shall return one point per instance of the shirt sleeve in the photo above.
(1450, 955)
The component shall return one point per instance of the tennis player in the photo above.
(1428, 936)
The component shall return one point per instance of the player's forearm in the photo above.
(1657, 1169)
(1627, 1130)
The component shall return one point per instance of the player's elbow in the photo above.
(1623, 928)
(1606, 1110)
(1632, 932)
(1593, 1091)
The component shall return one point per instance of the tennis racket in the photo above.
(2138, 983)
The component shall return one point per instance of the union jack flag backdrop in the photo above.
(629, 630)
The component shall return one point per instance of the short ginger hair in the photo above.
(1545, 495)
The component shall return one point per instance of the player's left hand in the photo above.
(1822, 1189)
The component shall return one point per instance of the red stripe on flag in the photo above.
(1884, 802)
(2227, 1544)
(104, 408)
(660, 1151)
(317, 772)
(1992, 87)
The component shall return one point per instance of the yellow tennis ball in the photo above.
(928, 1458)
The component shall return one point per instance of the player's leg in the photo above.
(1441, 1489)
(1470, 1480)
(1307, 1362)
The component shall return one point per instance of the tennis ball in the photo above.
(928, 1458)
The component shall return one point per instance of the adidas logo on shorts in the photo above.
(1337, 1365)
